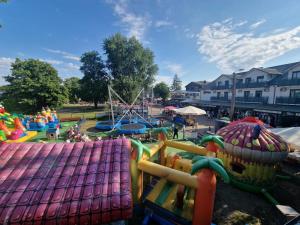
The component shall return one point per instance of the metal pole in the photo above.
(232, 106)
(111, 107)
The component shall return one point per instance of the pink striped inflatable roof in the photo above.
(65, 183)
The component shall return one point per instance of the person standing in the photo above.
(175, 132)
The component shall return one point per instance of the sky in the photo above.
(196, 39)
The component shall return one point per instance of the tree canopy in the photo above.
(176, 84)
(95, 80)
(33, 84)
(161, 90)
(73, 86)
(130, 65)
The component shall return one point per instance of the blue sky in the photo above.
(198, 40)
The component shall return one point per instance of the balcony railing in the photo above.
(220, 99)
(221, 87)
(262, 100)
(251, 85)
(287, 101)
(288, 82)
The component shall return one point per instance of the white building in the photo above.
(272, 90)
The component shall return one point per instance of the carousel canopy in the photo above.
(250, 140)
(190, 111)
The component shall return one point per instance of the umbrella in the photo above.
(170, 108)
(190, 110)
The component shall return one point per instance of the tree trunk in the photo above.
(96, 104)
(205, 197)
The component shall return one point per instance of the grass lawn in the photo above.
(82, 111)
(42, 135)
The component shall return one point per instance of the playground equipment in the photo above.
(132, 119)
(42, 121)
(66, 183)
(252, 152)
(132, 128)
(177, 196)
(11, 128)
(251, 156)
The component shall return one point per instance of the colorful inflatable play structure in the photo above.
(42, 121)
(101, 182)
(251, 153)
(12, 129)
(104, 181)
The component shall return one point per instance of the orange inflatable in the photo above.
(4, 128)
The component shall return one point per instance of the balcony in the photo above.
(220, 99)
(221, 87)
(252, 85)
(287, 101)
(288, 82)
(260, 100)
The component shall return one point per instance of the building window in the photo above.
(258, 94)
(218, 94)
(239, 81)
(226, 83)
(295, 93)
(260, 79)
(226, 95)
(296, 75)
(248, 80)
(219, 83)
(246, 94)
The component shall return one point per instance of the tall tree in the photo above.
(73, 86)
(95, 80)
(161, 90)
(176, 84)
(33, 84)
(130, 65)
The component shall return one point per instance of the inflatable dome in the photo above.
(251, 151)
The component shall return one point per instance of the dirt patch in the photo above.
(233, 206)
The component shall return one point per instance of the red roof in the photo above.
(65, 183)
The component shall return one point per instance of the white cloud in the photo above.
(189, 34)
(52, 61)
(64, 54)
(162, 23)
(257, 24)
(5, 63)
(165, 79)
(134, 24)
(231, 50)
(175, 68)
(72, 66)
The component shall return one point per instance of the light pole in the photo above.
(232, 106)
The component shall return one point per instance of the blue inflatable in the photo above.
(132, 128)
(107, 125)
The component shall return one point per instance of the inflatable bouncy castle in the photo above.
(252, 152)
(42, 121)
(11, 128)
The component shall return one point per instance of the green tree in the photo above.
(161, 90)
(73, 86)
(176, 84)
(130, 65)
(33, 84)
(95, 80)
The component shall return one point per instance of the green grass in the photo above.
(42, 135)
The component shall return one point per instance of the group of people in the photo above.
(74, 135)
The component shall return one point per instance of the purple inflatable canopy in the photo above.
(65, 183)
